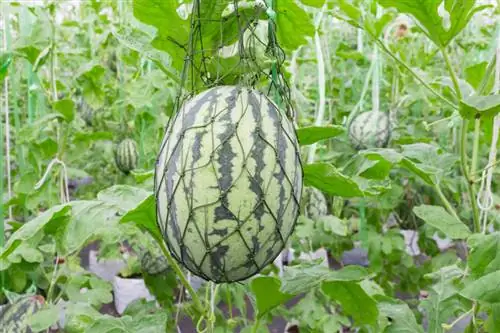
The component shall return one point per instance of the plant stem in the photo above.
(445, 201)
(321, 86)
(182, 277)
(415, 75)
(453, 75)
(256, 325)
(463, 145)
(465, 173)
(475, 149)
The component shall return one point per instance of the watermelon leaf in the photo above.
(293, 25)
(353, 299)
(59, 214)
(480, 107)
(440, 219)
(440, 26)
(66, 107)
(44, 318)
(123, 196)
(401, 317)
(144, 216)
(484, 256)
(312, 134)
(267, 294)
(328, 179)
(5, 61)
(299, 279)
(313, 3)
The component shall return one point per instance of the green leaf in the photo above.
(5, 61)
(79, 316)
(313, 3)
(88, 219)
(352, 12)
(44, 318)
(109, 324)
(267, 294)
(493, 324)
(328, 179)
(484, 289)
(484, 255)
(402, 319)
(123, 196)
(66, 107)
(86, 288)
(57, 216)
(440, 219)
(144, 216)
(172, 31)
(443, 301)
(473, 107)
(299, 279)
(474, 74)
(334, 224)
(313, 134)
(293, 25)
(434, 25)
(354, 301)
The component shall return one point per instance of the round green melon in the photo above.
(126, 155)
(86, 112)
(314, 203)
(152, 264)
(228, 183)
(370, 130)
(14, 318)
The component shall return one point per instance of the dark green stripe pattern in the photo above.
(15, 317)
(228, 183)
(370, 130)
(126, 155)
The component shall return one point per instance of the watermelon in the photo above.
(152, 264)
(370, 130)
(86, 112)
(228, 183)
(314, 203)
(14, 318)
(126, 155)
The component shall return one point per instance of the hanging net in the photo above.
(228, 178)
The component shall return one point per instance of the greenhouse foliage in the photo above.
(354, 189)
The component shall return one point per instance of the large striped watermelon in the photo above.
(370, 130)
(228, 183)
(126, 155)
(14, 318)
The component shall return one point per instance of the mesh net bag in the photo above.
(228, 178)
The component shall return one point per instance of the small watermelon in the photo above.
(228, 183)
(126, 155)
(86, 112)
(370, 130)
(152, 264)
(314, 203)
(14, 318)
